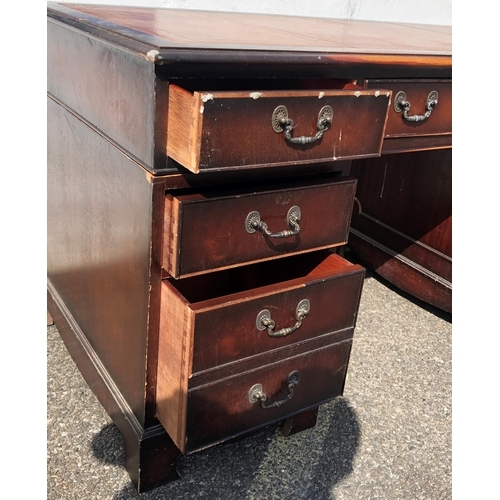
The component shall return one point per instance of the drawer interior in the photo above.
(208, 289)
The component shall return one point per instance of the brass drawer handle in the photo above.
(255, 393)
(281, 122)
(264, 320)
(402, 105)
(253, 223)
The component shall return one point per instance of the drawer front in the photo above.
(231, 407)
(417, 93)
(210, 131)
(237, 329)
(207, 232)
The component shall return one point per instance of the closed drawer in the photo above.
(210, 131)
(207, 231)
(230, 407)
(211, 326)
(417, 93)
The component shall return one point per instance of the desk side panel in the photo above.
(109, 87)
(99, 240)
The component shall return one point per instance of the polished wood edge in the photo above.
(402, 272)
(143, 447)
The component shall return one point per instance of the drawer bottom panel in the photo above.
(224, 409)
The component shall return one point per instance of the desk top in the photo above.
(172, 35)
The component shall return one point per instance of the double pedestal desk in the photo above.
(204, 171)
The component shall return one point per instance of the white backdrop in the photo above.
(408, 11)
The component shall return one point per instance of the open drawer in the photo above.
(215, 326)
(210, 131)
(216, 230)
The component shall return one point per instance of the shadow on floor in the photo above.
(263, 465)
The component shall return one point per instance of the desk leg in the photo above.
(150, 454)
(300, 422)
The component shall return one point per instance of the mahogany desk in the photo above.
(204, 170)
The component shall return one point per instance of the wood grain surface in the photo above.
(203, 29)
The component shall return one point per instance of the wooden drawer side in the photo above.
(174, 363)
(184, 127)
(172, 226)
